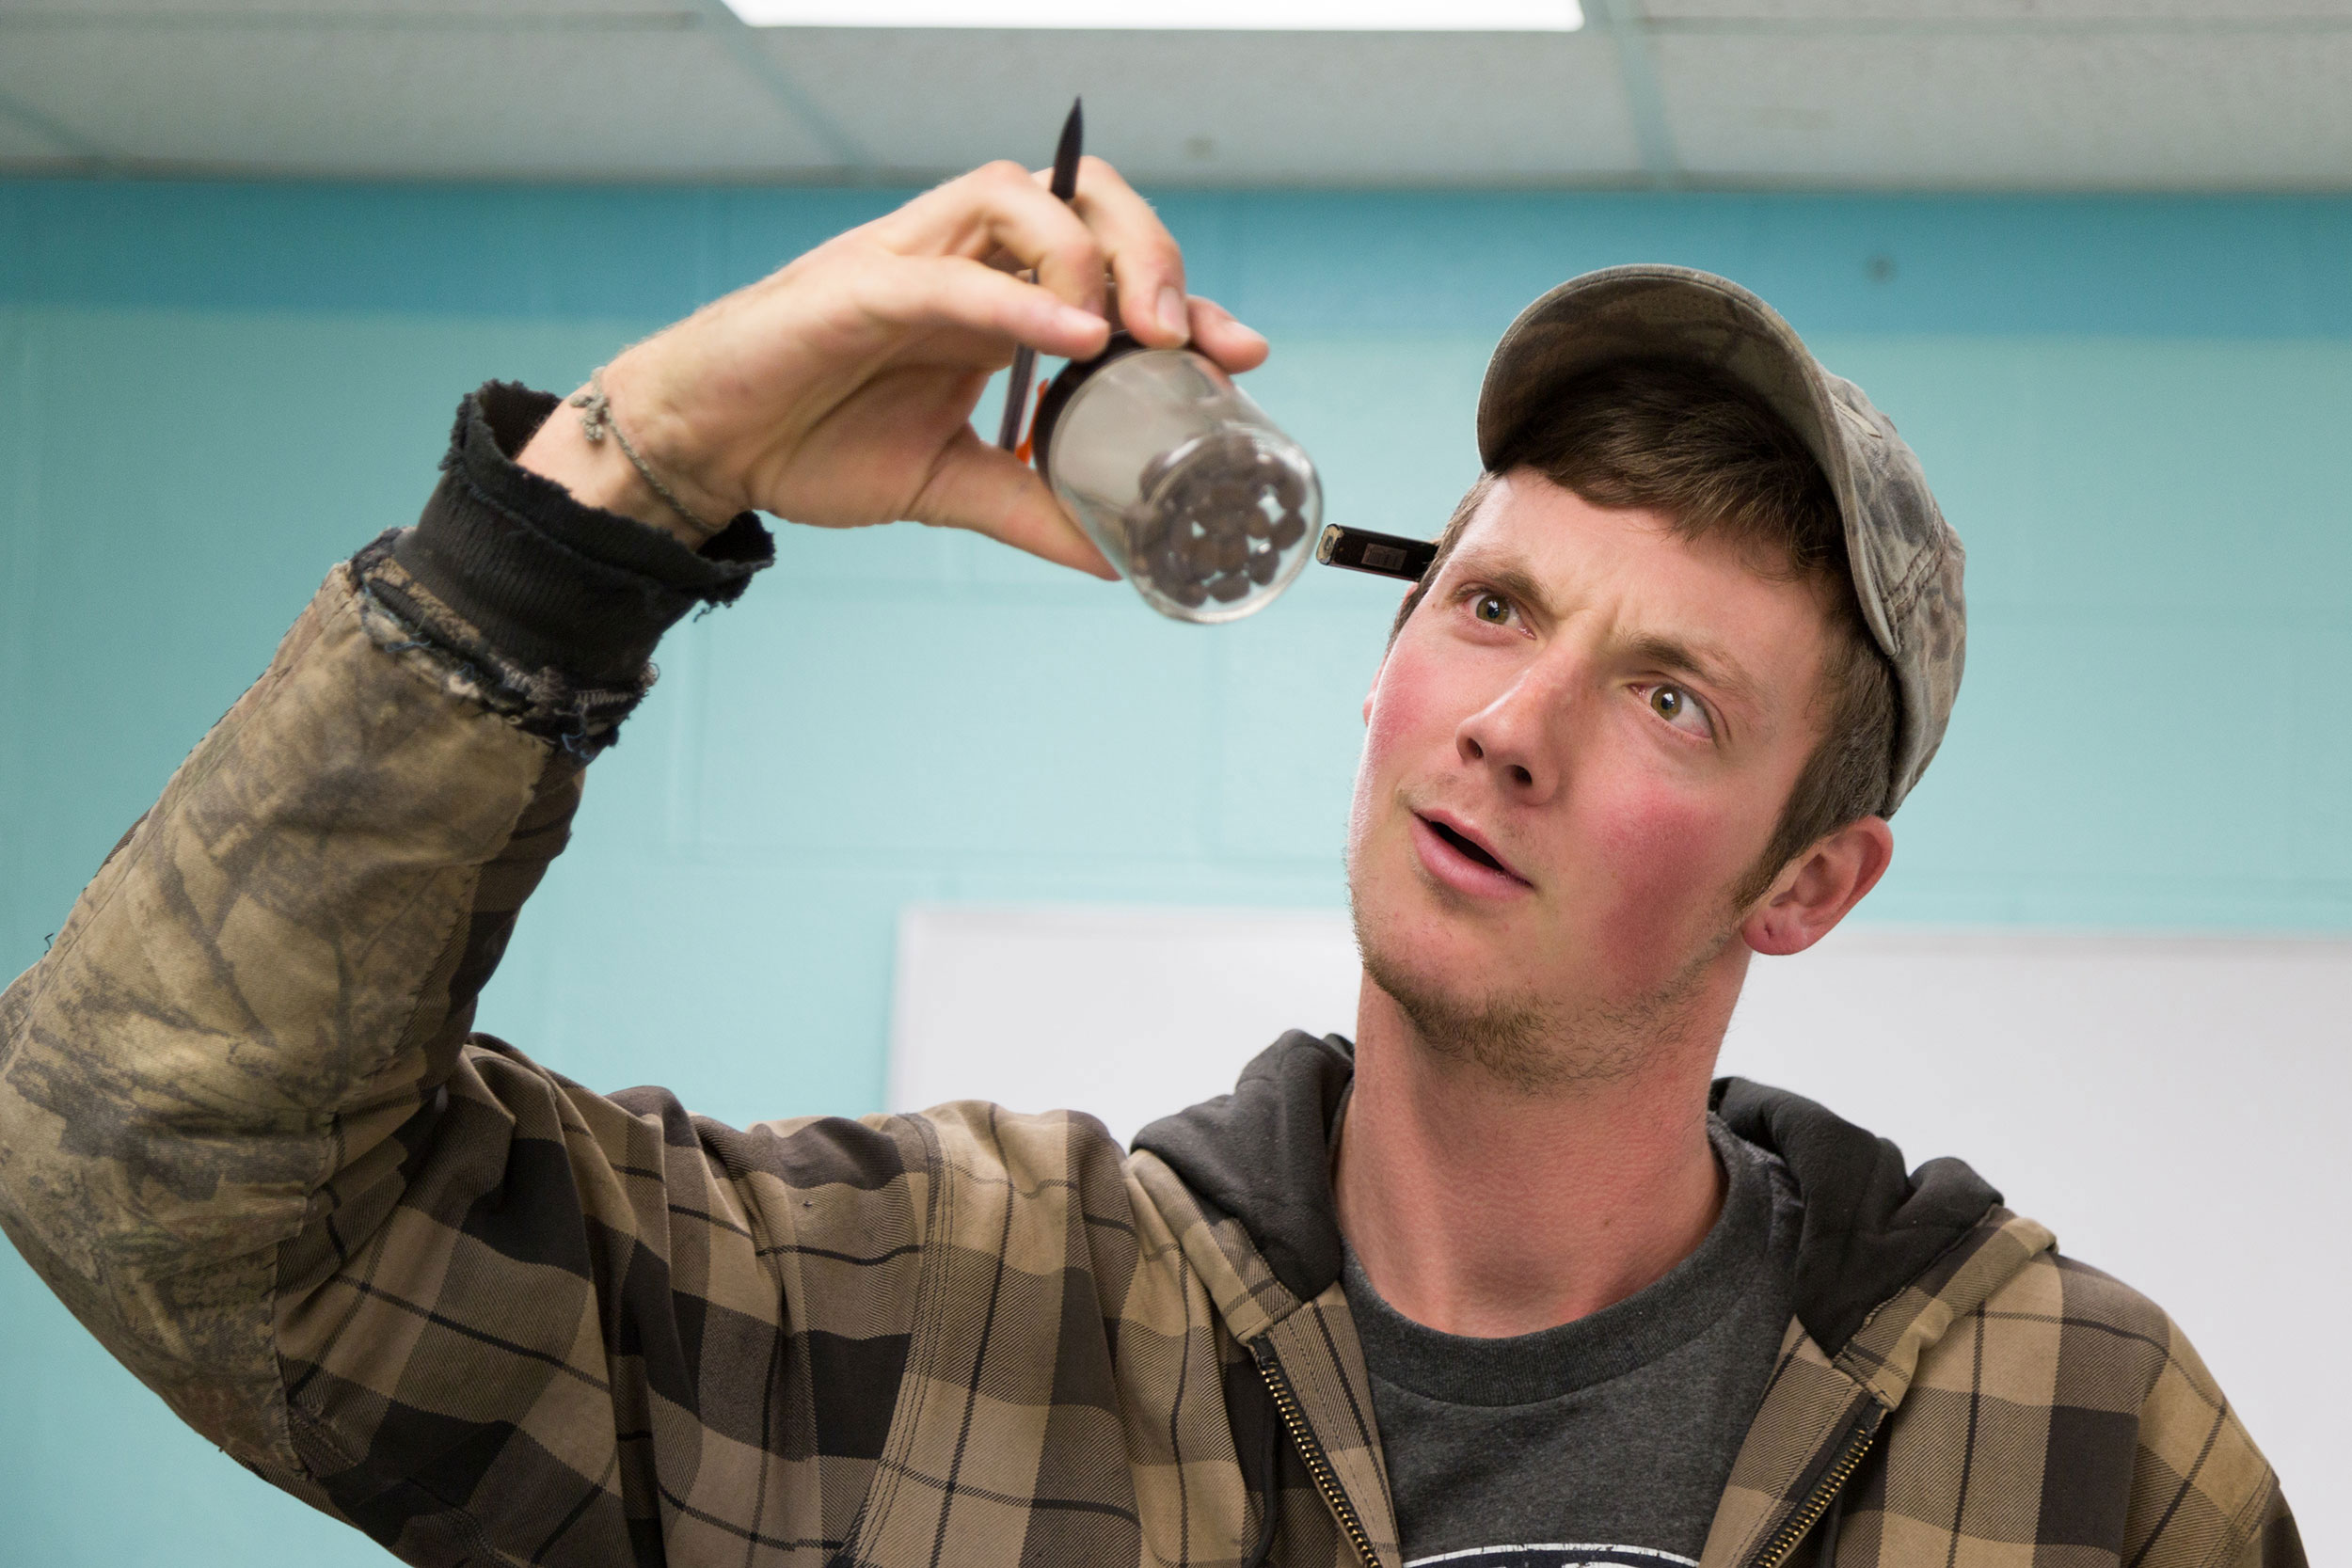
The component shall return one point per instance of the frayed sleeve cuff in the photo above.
(547, 584)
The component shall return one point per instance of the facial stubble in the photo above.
(1535, 1045)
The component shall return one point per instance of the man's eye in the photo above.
(1493, 608)
(1680, 709)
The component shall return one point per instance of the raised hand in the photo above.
(838, 391)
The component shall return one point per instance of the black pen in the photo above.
(1024, 358)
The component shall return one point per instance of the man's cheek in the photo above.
(1409, 710)
(1663, 868)
(1406, 734)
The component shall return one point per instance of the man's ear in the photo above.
(1809, 897)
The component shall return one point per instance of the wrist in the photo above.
(610, 456)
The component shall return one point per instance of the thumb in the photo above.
(987, 490)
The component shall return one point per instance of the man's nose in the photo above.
(1521, 737)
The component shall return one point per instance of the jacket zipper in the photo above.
(1318, 1465)
(1794, 1529)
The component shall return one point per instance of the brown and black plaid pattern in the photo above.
(2022, 1409)
(489, 1316)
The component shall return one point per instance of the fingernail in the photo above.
(1174, 318)
(1071, 318)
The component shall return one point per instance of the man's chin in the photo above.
(1455, 940)
(1463, 1009)
(1516, 1041)
(1454, 1009)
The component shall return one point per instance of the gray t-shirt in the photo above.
(1605, 1440)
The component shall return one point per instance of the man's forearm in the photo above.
(270, 950)
(279, 965)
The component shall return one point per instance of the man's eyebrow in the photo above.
(1712, 666)
(1506, 576)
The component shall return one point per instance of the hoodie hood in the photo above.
(1261, 1155)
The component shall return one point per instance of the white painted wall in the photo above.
(2171, 1106)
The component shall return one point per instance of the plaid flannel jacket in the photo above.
(487, 1316)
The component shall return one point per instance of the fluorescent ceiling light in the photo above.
(1378, 16)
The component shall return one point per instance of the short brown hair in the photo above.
(1669, 437)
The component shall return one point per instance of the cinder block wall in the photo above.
(2134, 410)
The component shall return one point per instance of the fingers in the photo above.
(975, 486)
(1144, 258)
(998, 208)
(1006, 219)
(951, 292)
(1217, 334)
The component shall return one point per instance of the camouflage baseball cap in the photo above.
(1906, 558)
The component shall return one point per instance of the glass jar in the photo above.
(1200, 500)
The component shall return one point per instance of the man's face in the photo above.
(1577, 747)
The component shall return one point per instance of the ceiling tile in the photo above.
(2149, 111)
(23, 146)
(386, 13)
(1927, 15)
(662, 100)
(1217, 108)
(1985, 93)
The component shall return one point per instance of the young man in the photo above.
(1506, 1272)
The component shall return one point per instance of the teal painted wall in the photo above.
(2134, 411)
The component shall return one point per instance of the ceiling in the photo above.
(1999, 94)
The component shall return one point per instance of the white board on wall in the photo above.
(2173, 1107)
(1129, 1013)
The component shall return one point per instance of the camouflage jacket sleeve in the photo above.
(246, 1135)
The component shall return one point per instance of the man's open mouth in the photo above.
(1470, 848)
